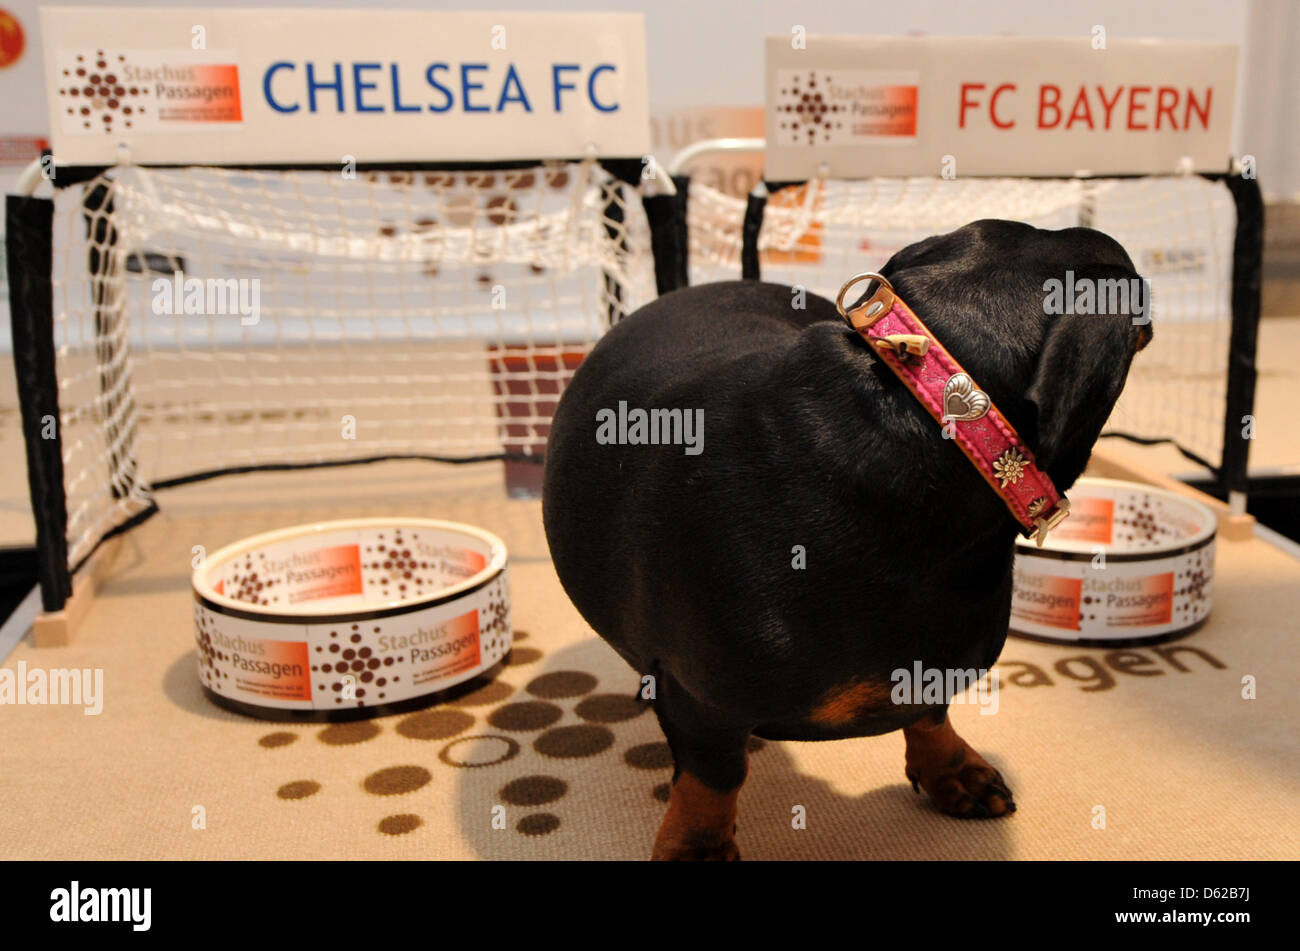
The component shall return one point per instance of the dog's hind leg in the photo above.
(709, 765)
(959, 780)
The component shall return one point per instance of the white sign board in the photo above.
(958, 106)
(250, 86)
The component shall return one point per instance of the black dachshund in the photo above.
(773, 571)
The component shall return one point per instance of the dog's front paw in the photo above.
(959, 780)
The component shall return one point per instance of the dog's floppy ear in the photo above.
(1082, 364)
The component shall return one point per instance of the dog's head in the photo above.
(1008, 300)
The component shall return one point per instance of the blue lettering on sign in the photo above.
(397, 94)
(443, 93)
(512, 78)
(266, 88)
(559, 84)
(466, 87)
(591, 88)
(428, 74)
(337, 86)
(359, 84)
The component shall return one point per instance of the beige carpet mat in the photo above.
(554, 760)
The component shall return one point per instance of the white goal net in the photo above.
(210, 320)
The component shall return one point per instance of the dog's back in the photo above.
(696, 349)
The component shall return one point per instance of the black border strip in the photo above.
(29, 226)
(749, 259)
(626, 170)
(301, 619)
(1247, 270)
(338, 463)
(1161, 440)
(1117, 644)
(343, 714)
(1120, 556)
(668, 237)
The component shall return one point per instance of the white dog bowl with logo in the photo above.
(1131, 565)
(350, 619)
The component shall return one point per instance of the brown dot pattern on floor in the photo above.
(649, 756)
(561, 684)
(396, 780)
(474, 752)
(493, 691)
(299, 789)
(539, 823)
(435, 724)
(525, 716)
(609, 708)
(346, 734)
(521, 656)
(533, 790)
(569, 742)
(400, 824)
(538, 711)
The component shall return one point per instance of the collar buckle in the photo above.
(1044, 524)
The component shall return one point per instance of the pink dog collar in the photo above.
(947, 391)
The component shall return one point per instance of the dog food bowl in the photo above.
(350, 619)
(1132, 565)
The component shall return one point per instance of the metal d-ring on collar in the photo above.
(858, 279)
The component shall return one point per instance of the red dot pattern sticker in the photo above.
(93, 93)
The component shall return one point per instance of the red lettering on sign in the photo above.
(1108, 106)
(965, 103)
(1162, 109)
(1043, 105)
(1081, 112)
(1192, 104)
(1134, 107)
(993, 106)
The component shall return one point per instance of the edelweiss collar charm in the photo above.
(1010, 467)
(951, 396)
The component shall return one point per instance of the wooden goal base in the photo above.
(1233, 527)
(56, 628)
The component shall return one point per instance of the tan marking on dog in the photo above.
(845, 703)
(700, 824)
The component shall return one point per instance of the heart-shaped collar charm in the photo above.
(963, 400)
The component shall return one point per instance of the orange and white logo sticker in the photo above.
(1092, 519)
(108, 91)
(1145, 601)
(324, 573)
(836, 107)
(1048, 600)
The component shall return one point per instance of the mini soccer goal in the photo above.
(267, 250)
(1197, 239)
(181, 324)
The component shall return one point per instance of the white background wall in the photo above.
(709, 52)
